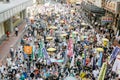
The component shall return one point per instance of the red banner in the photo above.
(70, 48)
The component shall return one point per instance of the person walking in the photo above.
(16, 31)
(12, 52)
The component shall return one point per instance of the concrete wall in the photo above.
(2, 32)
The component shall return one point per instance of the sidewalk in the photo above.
(13, 40)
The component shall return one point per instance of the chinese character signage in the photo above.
(112, 6)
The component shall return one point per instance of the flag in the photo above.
(46, 56)
(116, 66)
(40, 54)
(25, 55)
(45, 53)
(33, 55)
(72, 62)
(84, 59)
(65, 56)
(100, 60)
(73, 35)
(102, 72)
(70, 48)
(114, 54)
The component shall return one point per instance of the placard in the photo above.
(28, 49)
(112, 6)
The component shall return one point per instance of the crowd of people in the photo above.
(77, 47)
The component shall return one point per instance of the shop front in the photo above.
(113, 8)
(94, 12)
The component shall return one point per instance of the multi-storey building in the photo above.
(12, 13)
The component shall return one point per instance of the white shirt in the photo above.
(95, 73)
(18, 76)
(16, 29)
(9, 61)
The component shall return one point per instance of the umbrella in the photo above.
(57, 15)
(84, 24)
(49, 38)
(31, 18)
(72, 11)
(99, 49)
(75, 32)
(63, 35)
(62, 21)
(105, 39)
(52, 27)
(71, 27)
(85, 36)
(70, 78)
(51, 49)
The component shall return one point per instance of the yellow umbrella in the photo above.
(71, 27)
(52, 27)
(84, 24)
(100, 49)
(57, 15)
(63, 35)
(71, 36)
(72, 11)
(61, 21)
(51, 49)
(105, 39)
(75, 32)
(49, 38)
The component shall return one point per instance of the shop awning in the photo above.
(92, 8)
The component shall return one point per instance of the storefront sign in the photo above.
(107, 19)
(112, 6)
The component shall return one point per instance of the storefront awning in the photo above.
(93, 8)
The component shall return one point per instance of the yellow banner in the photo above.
(103, 71)
(28, 49)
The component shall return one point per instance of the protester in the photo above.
(63, 45)
(16, 31)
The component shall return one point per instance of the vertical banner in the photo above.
(114, 54)
(100, 60)
(72, 62)
(40, 54)
(45, 53)
(33, 51)
(116, 66)
(103, 72)
(70, 48)
(46, 56)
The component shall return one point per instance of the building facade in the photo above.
(12, 13)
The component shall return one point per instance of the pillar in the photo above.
(21, 15)
(11, 25)
(24, 14)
